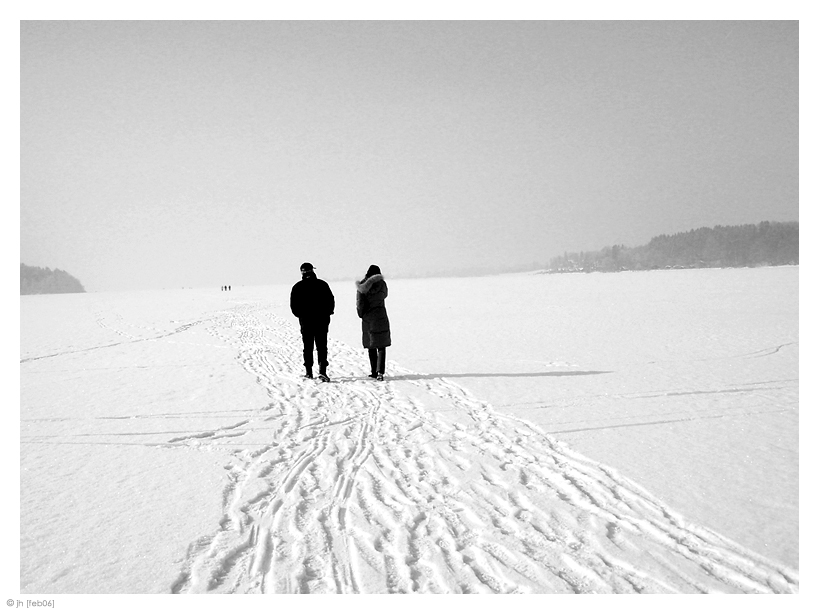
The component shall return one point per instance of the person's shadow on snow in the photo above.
(423, 376)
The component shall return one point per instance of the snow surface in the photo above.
(632, 432)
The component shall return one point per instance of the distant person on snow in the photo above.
(375, 325)
(312, 302)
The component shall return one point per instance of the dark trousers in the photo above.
(378, 359)
(314, 334)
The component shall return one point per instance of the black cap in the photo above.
(306, 267)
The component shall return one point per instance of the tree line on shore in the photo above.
(748, 245)
(36, 280)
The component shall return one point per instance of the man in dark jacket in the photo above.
(312, 302)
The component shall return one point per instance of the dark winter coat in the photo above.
(369, 303)
(312, 301)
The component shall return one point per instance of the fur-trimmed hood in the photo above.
(364, 286)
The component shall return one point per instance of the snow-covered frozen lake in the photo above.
(632, 432)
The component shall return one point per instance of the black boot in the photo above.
(323, 373)
(373, 355)
(382, 363)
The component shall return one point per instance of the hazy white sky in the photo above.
(171, 154)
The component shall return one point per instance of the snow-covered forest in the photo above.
(37, 280)
(763, 244)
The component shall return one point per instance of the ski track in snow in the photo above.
(358, 486)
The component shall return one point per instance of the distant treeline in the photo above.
(764, 244)
(34, 280)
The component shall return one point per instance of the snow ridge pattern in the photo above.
(412, 485)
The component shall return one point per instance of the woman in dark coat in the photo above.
(375, 325)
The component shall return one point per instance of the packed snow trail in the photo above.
(414, 486)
